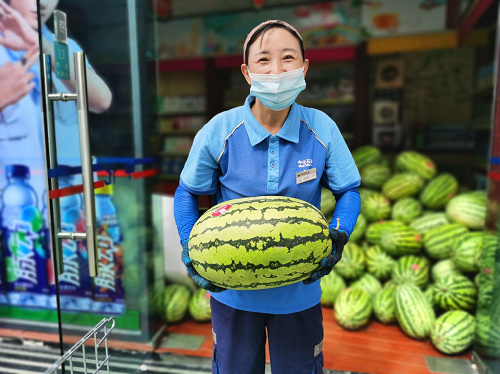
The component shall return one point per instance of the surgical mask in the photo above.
(278, 91)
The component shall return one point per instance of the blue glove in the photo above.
(198, 279)
(339, 239)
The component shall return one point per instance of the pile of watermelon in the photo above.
(419, 256)
(176, 301)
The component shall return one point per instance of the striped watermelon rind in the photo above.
(455, 292)
(259, 242)
(331, 286)
(175, 302)
(368, 283)
(375, 175)
(199, 306)
(415, 162)
(412, 269)
(374, 230)
(444, 268)
(400, 240)
(359, 229)
(366, 155)
(428, 221)
(468, 209)
(414, 313)
(466, 252)
(352, 264)
(376, 207)
(439, 191)
(402, 185)
(487, 338)
(353, 308)
(406, 210)
(379, 263)
(383, 305)
(438, 242)
(453, 332)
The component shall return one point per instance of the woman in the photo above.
(258, 149)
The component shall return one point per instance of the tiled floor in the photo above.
(377, 349)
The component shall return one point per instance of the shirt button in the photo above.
(273, 164)
(273, 151)
(273, 140)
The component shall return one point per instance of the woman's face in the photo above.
(47, 7)
(275, 53)
(27, 9)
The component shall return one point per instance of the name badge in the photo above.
(306, 175)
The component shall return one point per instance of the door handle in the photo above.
(86, 158)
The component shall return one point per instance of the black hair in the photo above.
(268, 26)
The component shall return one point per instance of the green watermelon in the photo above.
(331, 285)
(466, 252)
(453, 332)
(368, 283)
(175, 302)
(402, 185)
(455, 292)
(379, 263)
(429, 221)
(406, 210)
(412, 269)
(366, 155)
(353, 308)
(414, 162)
(413, 311)
(444, 268)
(259, 242)
(400, 240)
(328, 202)
(375, 175)
(438, 242)
(468, 209)
(352, 263)
(199, 306)
(487, 339)
(364, 193)
(376, 207)
(439, 191)
(374, 230)
(383, 305)
(429, 294)
(359, 230)
(131, 280)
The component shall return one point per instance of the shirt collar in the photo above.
(256, 133)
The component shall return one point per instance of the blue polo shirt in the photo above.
(233, 157)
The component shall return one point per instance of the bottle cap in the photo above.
(106, 190)
(17, 171)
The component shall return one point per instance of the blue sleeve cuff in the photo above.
(186, 212)
(346, 210)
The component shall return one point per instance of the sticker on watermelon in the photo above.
(221, 210)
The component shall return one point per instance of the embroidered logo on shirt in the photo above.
(221, 211)
(305, 163)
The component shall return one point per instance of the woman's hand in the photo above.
(18, 78)
(16, 33)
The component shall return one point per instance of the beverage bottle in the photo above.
(24, 241)
(108, 286)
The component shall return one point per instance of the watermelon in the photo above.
(402, 185)
(400, 240)
(438, 242)
(466, 252)
(352, 263)
(411, 269)
(429, 294)
(379, 263)
(468, 209)
(413, 311)
(364, 193)
(453, 332)
(376, 207)
(383, 305)
(175, 302)
(390, 284)
(455, 292)
(353, 308)
(374, 230)
(444, 268)
(428, 221)
(487, 338)
(368, 283)
(199, 306)
(259, 242)
(375, 175)
(331, 285)
(359, 229)
(366, 155)
(406, 210)
(439, 191)
(414, 162)
(327, 202)
(131, 280)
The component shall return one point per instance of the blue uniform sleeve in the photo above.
(199, 175)
(186, 212)
(346, 210)
(341, 173)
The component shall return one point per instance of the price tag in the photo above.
(306, 175)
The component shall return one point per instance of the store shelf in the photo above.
(169, 177)
(326, 102)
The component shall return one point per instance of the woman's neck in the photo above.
(269, 119)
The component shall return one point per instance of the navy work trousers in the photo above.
(295, 341)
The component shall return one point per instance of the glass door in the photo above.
(97, 201)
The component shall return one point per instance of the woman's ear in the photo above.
(306, 66)
(244, 71)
